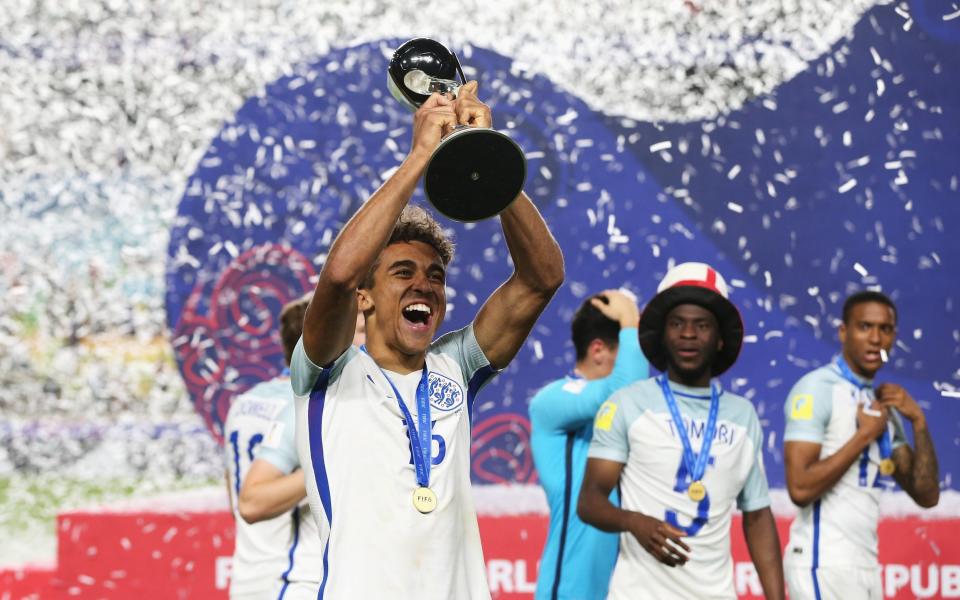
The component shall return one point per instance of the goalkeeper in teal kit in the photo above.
(578, 559)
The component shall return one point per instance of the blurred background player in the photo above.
(843, 437)
(578, 559)
(274, 486)
(678, 498)
(264, 551)
(384, 433)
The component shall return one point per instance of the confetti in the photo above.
(109, 113)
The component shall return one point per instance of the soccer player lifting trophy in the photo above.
(475, 172)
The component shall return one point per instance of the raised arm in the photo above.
(917, 471)
(507, 317)
(630, 364)
(576, 404)
(328, 327)
(809, 476)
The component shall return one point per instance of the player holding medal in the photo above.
(683, 452)
(842, 437)
(383, 432)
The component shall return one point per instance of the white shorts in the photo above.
(296, 590)
(834, 583)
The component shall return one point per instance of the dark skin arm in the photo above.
(809, 477)
(329, 324)
(760, 531)
(917, 470)
(508, 315)
(658, 538)
(506, 318)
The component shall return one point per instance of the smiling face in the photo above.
(405, 304)
(691, 338)
(870, 328)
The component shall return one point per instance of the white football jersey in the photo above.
(840, 527)
(634, 427)
(354, 448)
(304, 552)
(261, 550)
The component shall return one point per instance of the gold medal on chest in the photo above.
(697, 491)
(887, 467)
(424, 500)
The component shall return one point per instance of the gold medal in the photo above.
(697, 491)
(887, 467)
(424, 500)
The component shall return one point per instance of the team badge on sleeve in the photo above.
(801, 407)
(604, 420)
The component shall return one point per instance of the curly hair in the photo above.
(416, 224)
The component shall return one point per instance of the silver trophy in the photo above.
(475, 172)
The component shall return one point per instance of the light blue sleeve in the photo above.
(755, 494)
(808, 409)
(279, 447)
(304, 374)
(610, 426)
(574, 404)
(463, 347)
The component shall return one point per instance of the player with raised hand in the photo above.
(577, 559)
(384, 431)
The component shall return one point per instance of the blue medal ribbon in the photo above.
(883, 440)
(696, 464)
(420, 436)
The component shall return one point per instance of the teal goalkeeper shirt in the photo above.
(578, 559)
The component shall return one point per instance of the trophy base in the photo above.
(474, 174)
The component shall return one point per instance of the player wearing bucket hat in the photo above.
(682, 451)
(699, 284)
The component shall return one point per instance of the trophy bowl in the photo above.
(475, 172)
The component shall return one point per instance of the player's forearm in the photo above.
(537, 259)
(268, 499)
(366, 233)
(594, 508)
(806, 484)
(925, 473)
(763, 542)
